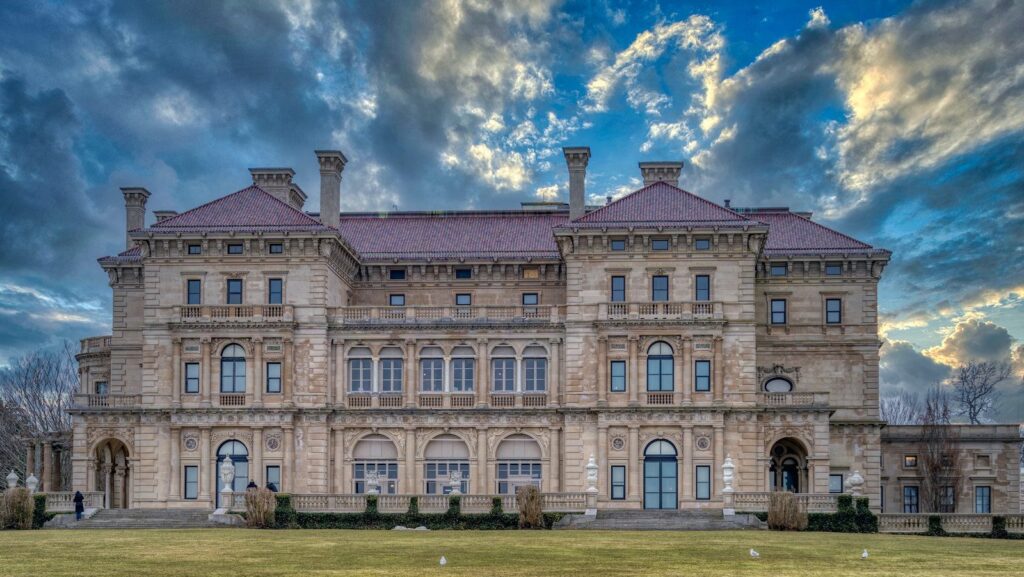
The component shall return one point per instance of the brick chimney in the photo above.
(332, 163)
(663, 171)
(577, 158)
(134, 212)
(278, 182)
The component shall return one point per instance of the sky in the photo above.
(899, 123)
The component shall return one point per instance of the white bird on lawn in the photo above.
(864, 555)
(443, 561)
(754, 554)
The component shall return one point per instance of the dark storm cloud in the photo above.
(902, 367)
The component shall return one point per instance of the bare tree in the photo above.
(939, 454)
(36, 391)
(903, 409)
(974, 388)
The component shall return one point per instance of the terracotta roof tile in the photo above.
(790, 233)
(249, 209)
(660, 205)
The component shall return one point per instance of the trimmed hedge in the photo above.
(848, 518)
(287, 518)
(999, 528)
(39, 515)
(935, 526)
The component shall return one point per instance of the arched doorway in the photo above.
(240, 457)
(519, 461)
(113, 474)
(661, 478)
(444, 455)
(375, 454)
(787, 470)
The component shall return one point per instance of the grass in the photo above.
(240, 553)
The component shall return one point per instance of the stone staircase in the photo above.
(661, 520)
(146, 519)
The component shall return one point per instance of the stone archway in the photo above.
(788, 466)
(113, 473)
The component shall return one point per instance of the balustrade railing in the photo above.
(231, 399)
(446, 314)
(951, 523)
(757, 502)
(678, 310)
(64, 502)
(659, 398)
(233, 313)
(354, 503)
(96, 401)
(792, 399)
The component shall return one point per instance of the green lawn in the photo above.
(239, 553)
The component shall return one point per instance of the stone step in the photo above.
(146, 519)
(640, 520)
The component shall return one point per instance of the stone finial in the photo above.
(592, 475)
(855, 484)
(134, 211)
(31, 483)
(227, 474)
(12, 479)
(332, 163)
(662, 171)
(576, 159)
(728, 470)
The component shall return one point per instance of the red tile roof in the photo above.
(790, 233)
(454, 235)
(248, 210)
(660, 205)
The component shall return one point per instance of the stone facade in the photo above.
(510, 367)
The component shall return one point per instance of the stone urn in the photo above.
(227, 474)
(372, 483)
(12, 479)
(592, 475)
(31, 483)
(728, 474)
(455, 482)
(855, 484)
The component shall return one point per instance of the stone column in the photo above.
(331, 371)
(342, 374)
(176, 376)
(603, 382)
(108, 496)
(339, 461)
(118, 487)
(553, 477)
(604, 473)
(687, 372)
(258, 370)
(288, 479)
(206, 465)
(411, 487)
(30, 459)
(56, 481)
(409, 372)
(679, 383)
(483, 474)
(47, 479)
(206, 385)
(174, 484)
(634, 372)
(483, 373)
(635, 463)
(555, 394)
(258, 474)
(688, 471)
(287, 369)
(718, 362)
(345, 485)
(716, 486)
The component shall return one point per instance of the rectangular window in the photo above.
(359, 377)
(835, 483)
(703, 482)
(191, 478)
(273, 377)
(779, 269)
(391, 375)
(618, 478)
(530, 299)
(702, 376)
(396, 300)
(778, 311)
(463, 300)
(192, 378)
(910, 503)
(659, 244)
(437, 476)
(909, 461)
(833, 268)
(504, 375)
(463, 273)
(387, 473)
(274, 476)
(102, 388)
(659, 373)
(234, 291)
(983, 499)
(947, 499)
(396, 274)
(195, 249)
(702, 284)
(659, 288)
(432, 375)
(463, 373)
(833, 311)
(702, 244)
(618, 376)
(195, 291)
(618, 289)
(275, 291)
(235, 248)
(536, 375)
(618, 244)
(276, 248)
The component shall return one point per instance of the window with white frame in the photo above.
(431, 370)
(463, 369)
(503, 365)
(535, 369)
(391, 370)
(519, 463)
(444, 455)
(375, 454)
(360, 371)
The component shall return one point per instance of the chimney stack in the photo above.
(663, 171)
(278, 182)
(332, 163)
(134, 212)
(577, 158)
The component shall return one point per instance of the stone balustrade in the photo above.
(443, 315)
(353, 503)
(64, 502)
(810, 502)
(673, 311)
(95, 344)
(792, 399)
(233, 313)
(97, 401)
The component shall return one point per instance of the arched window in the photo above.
(778, 385)
(660, 367)
(375, 454)
(391, 369)
(535, 369)
(463, 369)
(503, 365)
(445, 454)
(519, 463)
(240, 458)
(232, 369)
(660, 448)
(360, 370)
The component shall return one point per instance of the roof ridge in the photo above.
(168, 223)
(821, 226)
(648, 186)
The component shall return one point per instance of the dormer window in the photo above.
(659, 244)
(618, 244)
(779, 269)
(235, 248)
(702, 244)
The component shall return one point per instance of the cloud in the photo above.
(904, 368)
(973, 340)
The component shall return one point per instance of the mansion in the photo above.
(327, 351)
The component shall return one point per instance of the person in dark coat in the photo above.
(272, 487)
(79, 505)
(252, 485)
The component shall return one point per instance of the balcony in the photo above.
(470, 503)
(447, 315)
(786, 400)
(95, 345)
(687, 311)
(451, 400)
(94, 401)
(196, 314)
(231, 399)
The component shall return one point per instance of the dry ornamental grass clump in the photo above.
(784, 512)
(530, 514)
(260, 505)
(16, 509)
